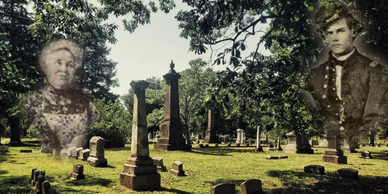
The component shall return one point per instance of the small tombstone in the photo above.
(75, 153)
(276, 157)
(158, 162)
(32, 176)
(366, 155)
(223, 188)
(297, 144)
(385, 155)
(347, 173)
(84, 154)
(177, 169)
(39, 187)
(78, 172)
(314, 169)
(252, 186)
(3, 148)
(96, 157)
(46, 188)
(35, 174)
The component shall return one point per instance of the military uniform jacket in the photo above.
(363, 90)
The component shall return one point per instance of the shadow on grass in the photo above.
(89, 181)
(219, 181)
(14, 184)
(300, 182)
(174, 190)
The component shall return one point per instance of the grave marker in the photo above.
(177, 169)
(252, 186)
(223, 188)
(78, 172)
(96, 157)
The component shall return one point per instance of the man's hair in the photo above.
(332, 11)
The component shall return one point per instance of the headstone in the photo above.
(45, 149)
(347, 173)
(177, 169)
(258, 141)
(276, 157)
(158, 162)
(97, 155)
(334, 154)
(78, 172)
(211, 135)
(323, 142)
(84, 154)
(314, 169)
(76, 153)
(366, 155)
(172, 130)
(252, 186)
(32, 178)
(140, 173)
(278, 147)
(223, 188)
(39, 185)
(240, 136)
(46, 188)
(297, 144)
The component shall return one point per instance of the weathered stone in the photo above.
(276, 157)
(140, 173)
(297, 144)
(252, 186)
(334, 154)
(78, 172)
(84, 154)
(211, 135)
(314, 169)
(240, 136)
(258, 147)
(158, 162)
(47, 189)
(347, 173)
(96, 157)
(75, 153)
(177, 169)
(223, 188)
(366, 155)
(171, 129)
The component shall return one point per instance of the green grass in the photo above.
(204, 168)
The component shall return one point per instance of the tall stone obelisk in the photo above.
(172, 130)
(211, 136)
(140, 173)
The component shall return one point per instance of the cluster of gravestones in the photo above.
(252, 186)
(39, 184)
(343, 172)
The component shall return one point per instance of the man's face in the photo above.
(60, 69)
(339, 38)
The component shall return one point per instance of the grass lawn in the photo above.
(204, 167)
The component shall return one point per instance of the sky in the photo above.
(149, 50)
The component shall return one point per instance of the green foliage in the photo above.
(114, 123)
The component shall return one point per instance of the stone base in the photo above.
(97, 162)
(142, 182)
(172, 147)
(177, 173)
(335, 159)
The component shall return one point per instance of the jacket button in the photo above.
(324, 96)
(325, 86)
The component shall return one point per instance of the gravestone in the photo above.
(252, 186)
(314, 169)
(158, 162)
(297, 144)
(276, 157)
(223, 188)
(258, 141)
(323, 142)
(177, 169)
(97, 155)
(75, 153)
(140, 173)
(334, 154)
(366, 155)
(172, 130)
(84, 154)
(240, 136)
(45, 149)
(78, 172)
(39, 185)
(347, 173)
(46, 188)
(211, 135)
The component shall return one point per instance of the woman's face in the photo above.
(60, 68)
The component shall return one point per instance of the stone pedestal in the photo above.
(334, 154)
(211, 136)
(298, 144)
(139, 173)
(172, 130)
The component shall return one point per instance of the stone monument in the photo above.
(78, 172)
(140, 172)
(297, 144)
(97, 154)
(240, 136)
(171, 130)
(211, 136)
(334, 154)
(258, 141)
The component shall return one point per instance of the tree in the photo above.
(192, 93)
